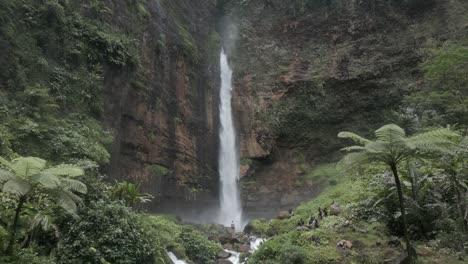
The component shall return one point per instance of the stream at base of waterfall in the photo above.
(234, 257)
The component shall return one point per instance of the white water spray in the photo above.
(231, 209)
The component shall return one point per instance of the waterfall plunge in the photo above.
(231, 209)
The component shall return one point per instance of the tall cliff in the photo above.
(166, 114)
(306, 70)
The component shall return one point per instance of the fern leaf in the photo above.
(67, 200)
(356, 138)
(65, 170)
(6, 163)
(390, 133)
(6, 175)
(353, 148)
(47, 180)
(17, 186)
(73, 185)
(354, 159)
(27, 166)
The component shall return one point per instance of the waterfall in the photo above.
(231, 209)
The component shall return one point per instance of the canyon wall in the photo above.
(306, 70)
(165, 114)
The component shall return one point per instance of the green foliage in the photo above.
(105, 232)
(158, 170)
(129, 193)
(27, 255)
(293, 254)
(444, 97)
(197, 247)
(52, 79)
(392, 146)
(26, 175)
(3, 239)
(183, 240)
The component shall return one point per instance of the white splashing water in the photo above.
(174, 259)
(231, 209)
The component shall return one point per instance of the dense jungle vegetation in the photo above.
(408, 182)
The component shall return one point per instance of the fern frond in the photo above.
(353, 160)
(6, 163)
(390, 133)
(45, 221)
(27, 166)
(6, 175)
(354, 148)
(356, 138)
(47, 180)
(65, 170)
(73, 185)
(17, 186)
(67, 200)
(441, 137)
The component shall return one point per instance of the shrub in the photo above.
(292, 254)
(198, 248)
(105, 232)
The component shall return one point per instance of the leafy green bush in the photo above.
(27, 255)
(197, 247)
(3, 238)
(293, 254)
(105, 232)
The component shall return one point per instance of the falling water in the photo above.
(231, 209)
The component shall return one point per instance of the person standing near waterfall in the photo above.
(233, 230)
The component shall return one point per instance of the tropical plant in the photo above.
(455, 180)
(391, 147)
(129, 193)
(105, 232)
(25, 176)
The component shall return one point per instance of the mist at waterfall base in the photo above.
(230, 202)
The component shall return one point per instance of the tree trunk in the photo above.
(11, 243)
(409, 248)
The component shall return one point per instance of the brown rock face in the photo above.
(165, 113)
(300, 78)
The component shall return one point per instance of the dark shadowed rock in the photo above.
(223, 255)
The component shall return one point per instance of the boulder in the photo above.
(243, 248)
(228, 246)
(335, 209)
(223, 255)
(302, 228)
(344, 244)
(283, 215)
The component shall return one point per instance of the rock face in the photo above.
(300, 78)
(165, 115)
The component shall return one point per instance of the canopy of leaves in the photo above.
(392, 146)
(105, 232)
(24, 175)
(443, 99)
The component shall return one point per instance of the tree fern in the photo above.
(391, 147)
(356, 138)
(24, 176)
